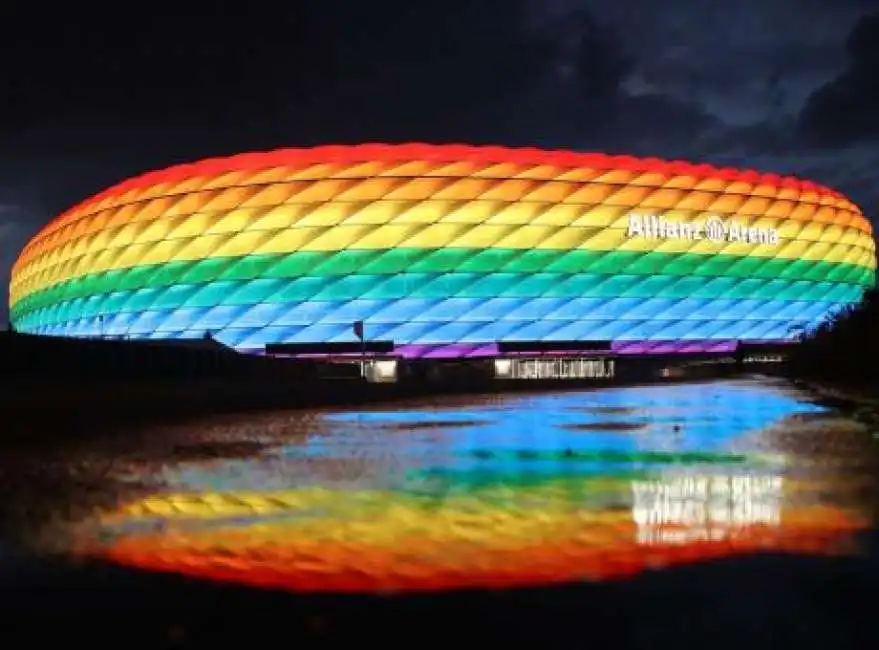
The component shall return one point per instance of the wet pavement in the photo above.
(724, 512)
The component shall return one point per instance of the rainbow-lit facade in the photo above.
(446, 251)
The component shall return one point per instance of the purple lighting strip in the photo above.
(617, 347)
(673, 347)
(483, 350)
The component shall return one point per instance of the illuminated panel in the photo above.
(447, 250)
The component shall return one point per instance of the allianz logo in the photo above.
(713, 229)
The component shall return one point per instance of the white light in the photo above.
(502, 367)
(385, 369)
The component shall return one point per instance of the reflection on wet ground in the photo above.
(484, 491)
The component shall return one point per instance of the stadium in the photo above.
(423, 251)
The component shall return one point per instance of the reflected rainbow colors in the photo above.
(499, 491)
(445, 250)
(501, 534)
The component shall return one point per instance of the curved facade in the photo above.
(447, 250)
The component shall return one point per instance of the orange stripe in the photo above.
(413, 160)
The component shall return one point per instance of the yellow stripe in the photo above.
(597, 233)
(93, 256)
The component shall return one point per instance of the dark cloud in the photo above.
(847, 108)
(724, 55)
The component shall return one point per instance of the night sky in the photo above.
(91, 96)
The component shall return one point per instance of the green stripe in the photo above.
(565, 470)
(561, 273)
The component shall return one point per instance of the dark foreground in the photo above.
(763, 600)
(759, 602)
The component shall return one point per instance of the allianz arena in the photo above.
(447, 251)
